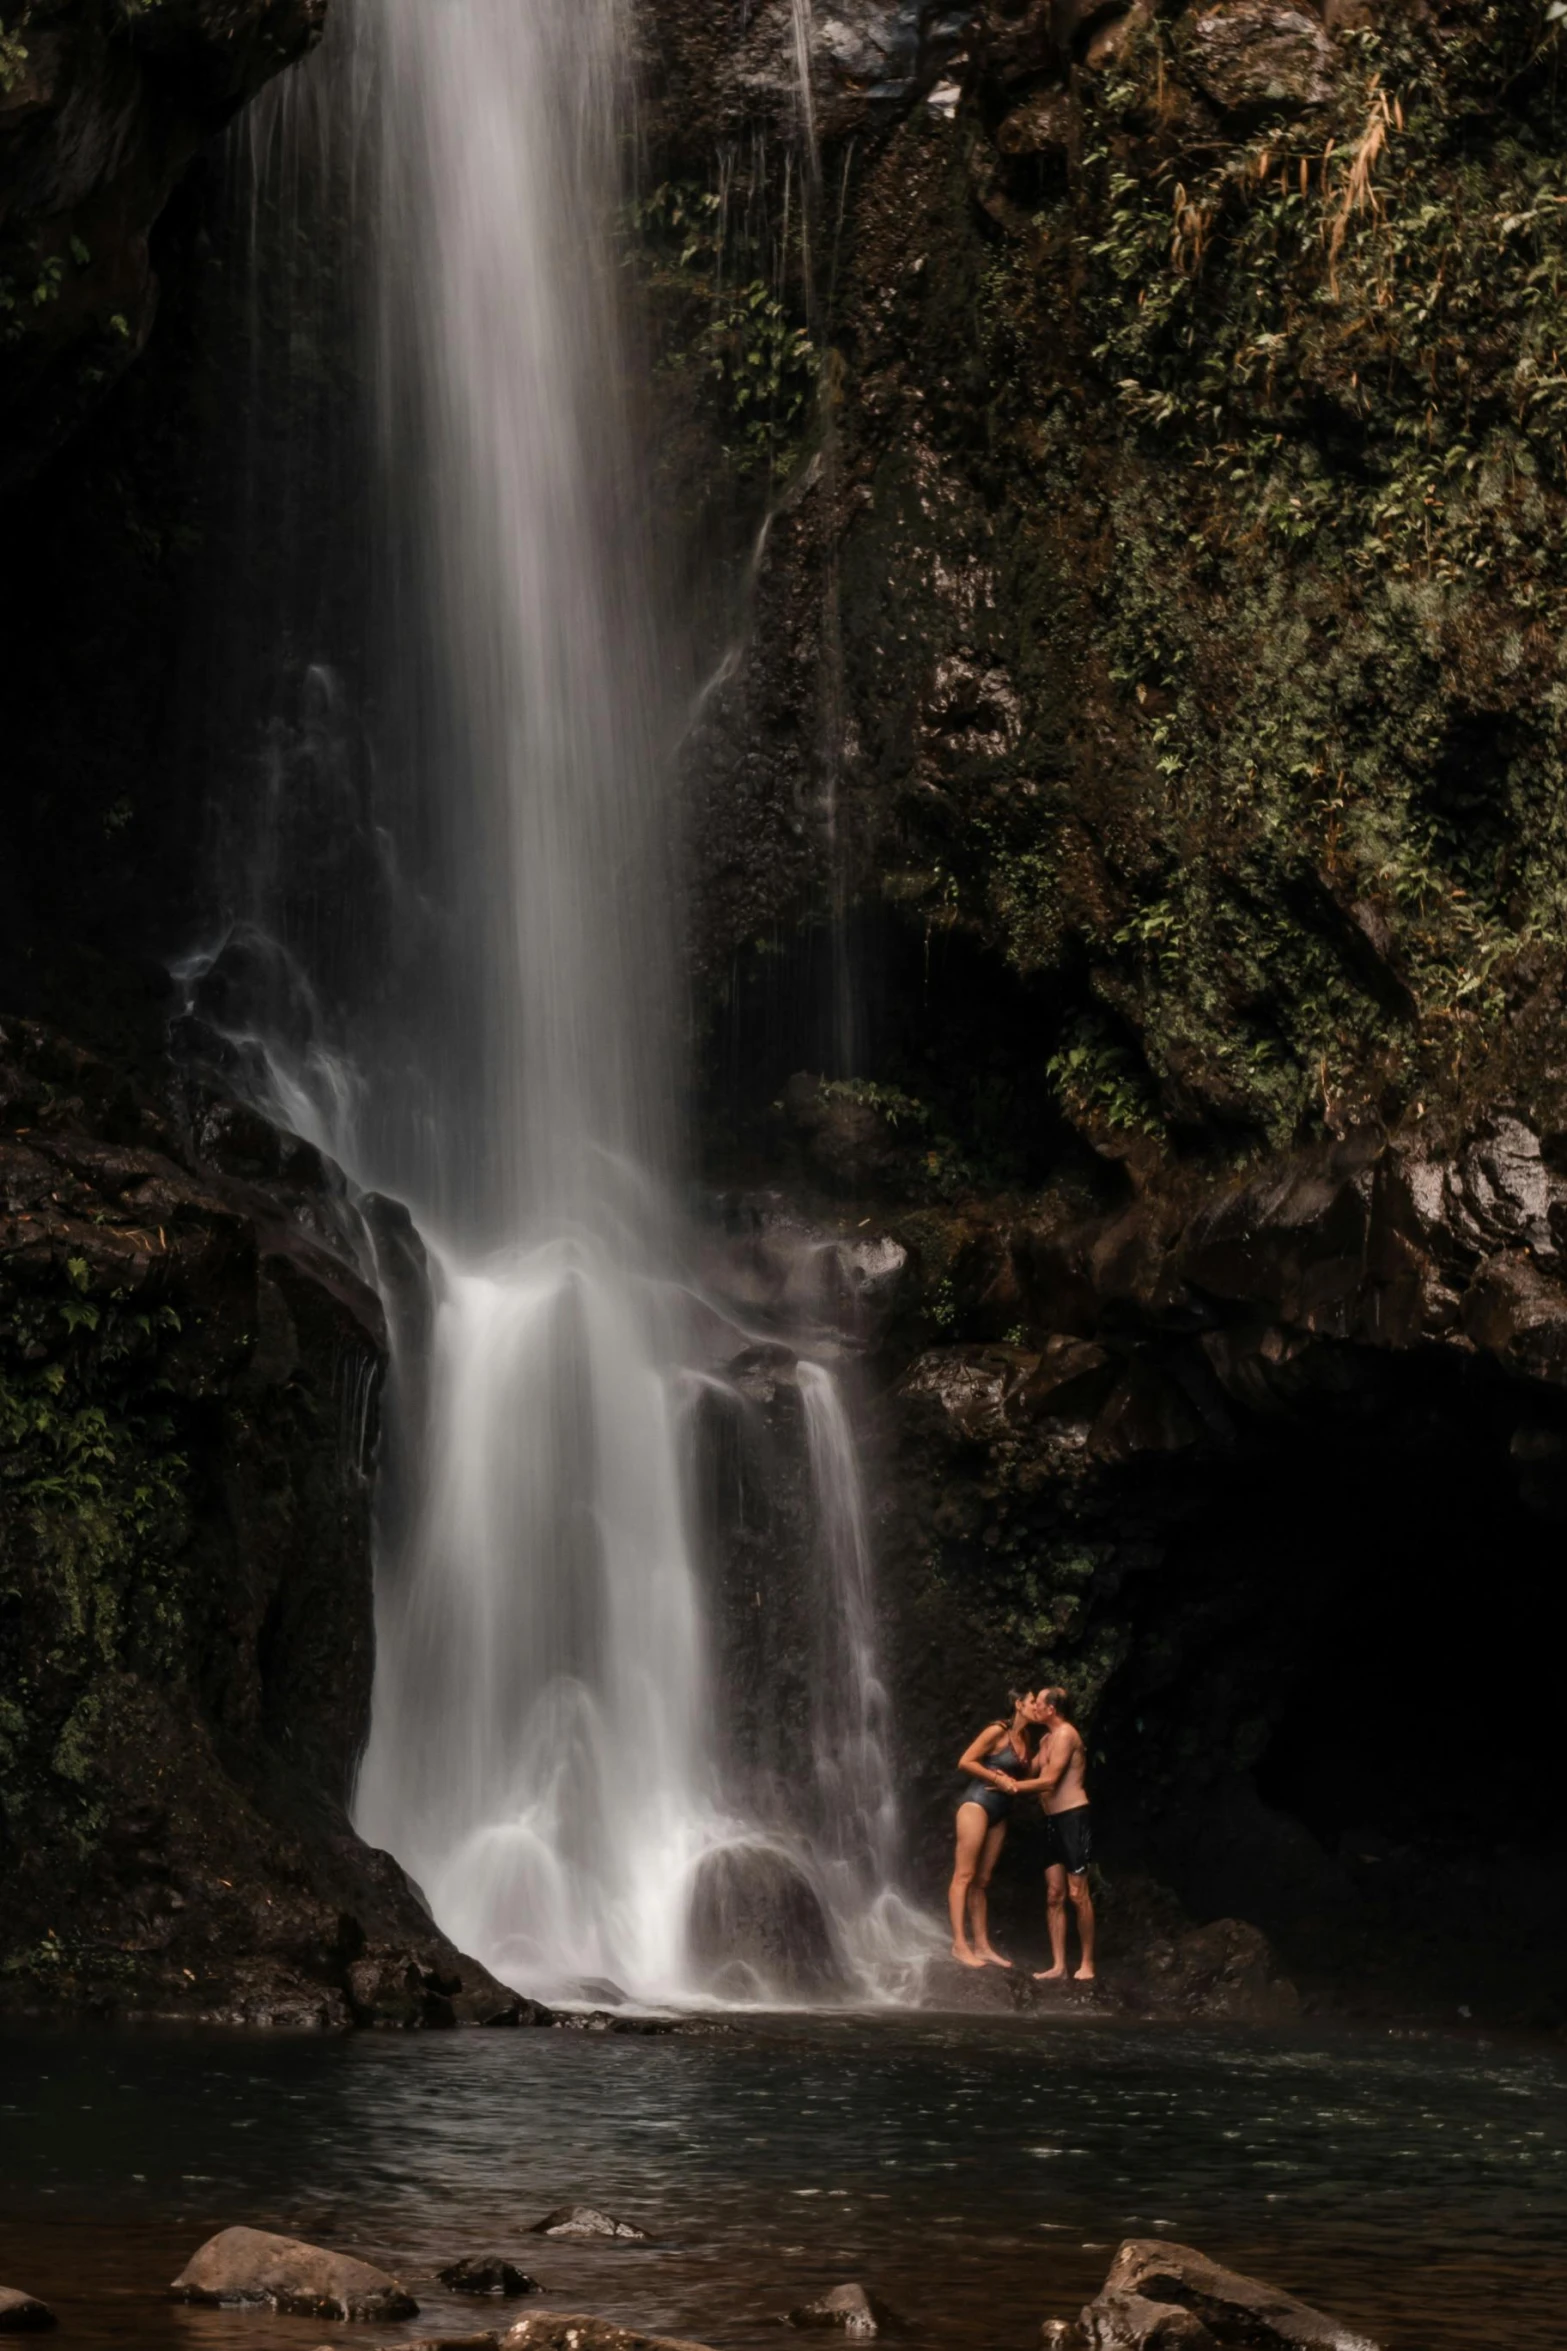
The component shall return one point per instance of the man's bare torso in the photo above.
(1071, 1789)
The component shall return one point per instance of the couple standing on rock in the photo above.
(1038, 1753)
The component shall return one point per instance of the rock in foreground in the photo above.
(304, 2281)
(575, 2330)
(851, 2309)
(23, 2314)
(1157, 2296)
(487, 2273)
(585, 2220)
(1130, 2322)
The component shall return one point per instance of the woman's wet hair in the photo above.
(1015, 1699)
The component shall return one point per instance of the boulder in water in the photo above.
(306, 2281)
(1176, 2281)
(487, 2273)
(23, 2314)
(851, 2309)
(1130, 2322)
(757, 1925)
(573, 2330)
(585, 2220)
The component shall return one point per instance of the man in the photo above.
(1061, 1782)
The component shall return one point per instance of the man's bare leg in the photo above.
(1055, 1897)
(1083, 1904)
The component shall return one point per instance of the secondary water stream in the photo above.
(446, 953)
(976, 2174)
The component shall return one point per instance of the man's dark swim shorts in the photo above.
(1069, 1839)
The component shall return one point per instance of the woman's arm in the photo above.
(969, 1760)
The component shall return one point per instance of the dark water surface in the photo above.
(977, 2173)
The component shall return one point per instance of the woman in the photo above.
(994, 1763)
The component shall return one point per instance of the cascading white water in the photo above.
(497, 1048)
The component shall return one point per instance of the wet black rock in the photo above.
(1159, 2294)
(241, 2265)
(1257, 57)
(487, 2273)
(585, 2220)
(852, 2309)
(23, 2314)
(757, 1925)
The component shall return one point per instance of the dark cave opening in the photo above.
(1340, 1714)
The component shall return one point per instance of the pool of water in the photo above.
(976, 2173)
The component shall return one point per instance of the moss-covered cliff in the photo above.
(1138, 803)
(1190, 512)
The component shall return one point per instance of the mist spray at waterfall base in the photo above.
(480, 1025)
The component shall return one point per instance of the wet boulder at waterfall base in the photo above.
(1160, 2296)
(757, 1926)
(241, 2265)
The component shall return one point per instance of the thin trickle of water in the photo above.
(850, 1712)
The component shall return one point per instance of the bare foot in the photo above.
(966, 1958)
(1049, 1975)
(993, 1958)
(1084, 1975)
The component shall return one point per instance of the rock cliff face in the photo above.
(103, 103)
(189, 1370)
(1136, 803)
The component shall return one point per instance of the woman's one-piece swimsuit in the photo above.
(995, 1803)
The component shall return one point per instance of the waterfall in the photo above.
(536, 1751)
(476, 1016)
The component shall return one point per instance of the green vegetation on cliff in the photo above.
(1240, 412)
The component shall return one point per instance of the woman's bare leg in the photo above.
(979, 1897)
(973, 1825)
